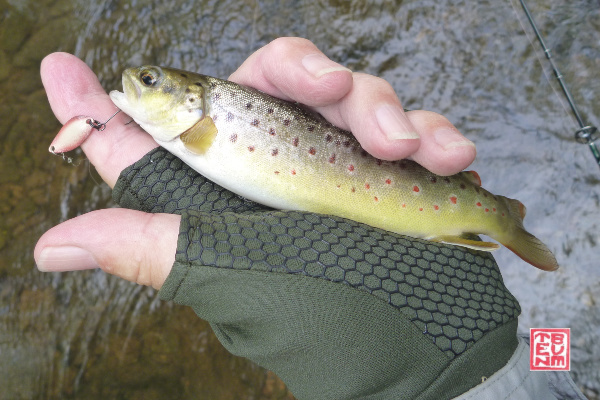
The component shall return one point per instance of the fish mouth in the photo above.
(131, 92)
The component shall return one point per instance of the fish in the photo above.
(286, 156)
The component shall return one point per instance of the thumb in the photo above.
(133, 245)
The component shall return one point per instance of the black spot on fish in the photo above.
(198, 84)
(187, 90)
(332, 159)
(251, 148)
(274, 152)
(447, 180)
(270, 111)
(184, 75)
(217, 96)
(311, 128)
(432, 179)
(338, 142)
(229, 117)
(286, 122)
(364, 153)
(272, 131)
(312, 151)
(328, 138)
(233, 138)
(379, 162)
(249, 106)
(347, 143)
(255, 122)
(191, 99)
(463, 186)
(295, 141)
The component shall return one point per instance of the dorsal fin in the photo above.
(200, 136)
(473, 177)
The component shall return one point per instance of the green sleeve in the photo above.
(336, 308)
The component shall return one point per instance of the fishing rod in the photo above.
(586, 133)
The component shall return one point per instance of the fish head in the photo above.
(163, 101)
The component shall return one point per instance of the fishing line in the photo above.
(586, 134)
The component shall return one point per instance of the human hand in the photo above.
(332, 306)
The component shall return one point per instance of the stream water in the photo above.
(93, 336)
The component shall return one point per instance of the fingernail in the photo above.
(394, 123)
(450, 138)
(65, 258)
(319, 65)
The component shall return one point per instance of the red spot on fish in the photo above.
(312, 151)
(478, 204)
(388, 181)
(503, 215)
(493, 209)
(487, 210)
(453, 199)
(350, 167)
(295, 142)
(376, 199)
(436, 207)
(339, 186)
(255, 122)
(272, 131)
(421, 209)
(286, 122)
(332, 159)
(403, 205)
(276, 172)
(274, 152)
(251, 148)
(367, 186)
(416, 189)
(293, 172)
(353, 190)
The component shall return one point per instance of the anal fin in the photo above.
(200, 136)
(466, 240)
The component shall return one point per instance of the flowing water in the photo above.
(89, 335)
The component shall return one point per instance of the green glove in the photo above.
(336, 308)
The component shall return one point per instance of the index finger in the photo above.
(73, 89)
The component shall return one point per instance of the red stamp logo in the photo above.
(550, 349)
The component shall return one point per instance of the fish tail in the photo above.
(523, 243)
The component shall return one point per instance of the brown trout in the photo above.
(284, 156)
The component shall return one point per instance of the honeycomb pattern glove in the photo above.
(336, 308)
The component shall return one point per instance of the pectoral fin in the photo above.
(200, 136)
(466, 241)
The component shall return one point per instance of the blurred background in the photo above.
(93, 336)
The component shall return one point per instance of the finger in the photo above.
(444, 150)
(294, 69)
(133, 245)
(73, 89)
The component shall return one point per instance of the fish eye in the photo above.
(148, 78)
